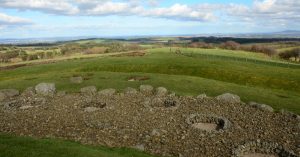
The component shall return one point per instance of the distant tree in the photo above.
(201, 45)
(231, 45)
(294, 53)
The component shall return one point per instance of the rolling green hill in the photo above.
(264, 81)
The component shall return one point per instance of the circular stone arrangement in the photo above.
(152, 120)
(261, 149)
(208, 123)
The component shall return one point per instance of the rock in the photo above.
(10, 92)
(288, 113)
(139, 147)
(130, 90)
(155, 132)
(201, 96)
(90, 90)
(170, 102)
(107, 92)
(76, 80)
(262, 107)
(228, 97)
(161, 91)
(265, 107)
(146, 89)
(45, 89)
(30, 91)
(25, 107)
(2, 96)
(91, 109)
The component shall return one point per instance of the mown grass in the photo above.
(270, 84)
(12, 146)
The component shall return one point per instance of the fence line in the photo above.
(250, 60)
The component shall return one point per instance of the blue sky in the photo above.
(62, 18)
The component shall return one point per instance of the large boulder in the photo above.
(228, 97)
(130, 90)
(202, 96)
(45, 89)
(146, 89)
(90, 90)
(10, 92)
(107, 92)
(30, 91)
(262, 107)
(2, 96)
(76, 80)
(161, 91)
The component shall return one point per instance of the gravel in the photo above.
(158, 127)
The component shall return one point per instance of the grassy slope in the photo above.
(184, 75)
(11, 146)
(269, 84)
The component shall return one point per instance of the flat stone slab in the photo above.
(91, 109)
(25, 107)
(205, 126)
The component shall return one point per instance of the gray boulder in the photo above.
(91, 109)
(10, 92)
(146, 89)
(25, 107)
(76, 80)
(201, 96)
(161, 91)
(139, 147)
(45, 89)
(89, 90)
(30, 91)
(107, 92)
(130, 90)
(2, 96)
(228, 97)
(262, 107)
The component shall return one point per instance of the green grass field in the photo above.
(12, 146)
(193, 72)
(264, 83)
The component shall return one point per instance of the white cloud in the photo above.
(6, 20)
(264, 11)
(180, 12)
(53, 6)
(267, 12)
(109, 7)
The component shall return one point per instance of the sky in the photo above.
(109, 18)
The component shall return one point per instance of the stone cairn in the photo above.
(259, 146)
(222, 123)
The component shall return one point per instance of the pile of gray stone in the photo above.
(262, 147)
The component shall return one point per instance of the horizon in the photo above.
(129, 18)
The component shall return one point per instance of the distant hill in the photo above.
(287, 34)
